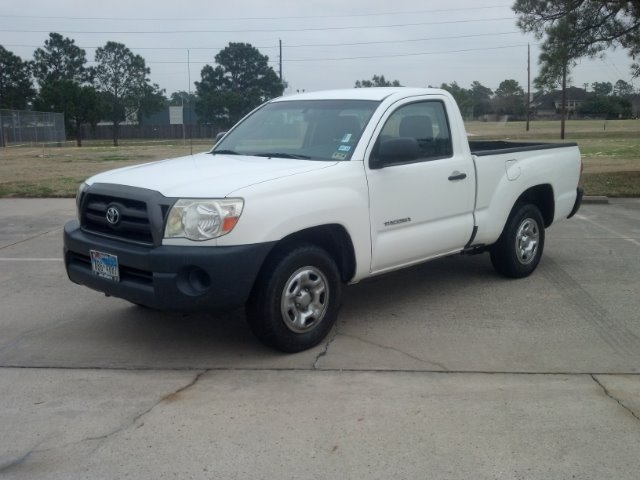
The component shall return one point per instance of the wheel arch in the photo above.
(542, 197)
(333, 238)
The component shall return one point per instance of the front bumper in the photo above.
(191, 278)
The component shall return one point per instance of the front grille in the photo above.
(133, 223)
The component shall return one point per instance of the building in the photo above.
(549, 105)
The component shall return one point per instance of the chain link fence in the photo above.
(22, 127)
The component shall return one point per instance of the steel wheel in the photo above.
(527, 240)
(295, 301)
(304, 299)
(517, 252)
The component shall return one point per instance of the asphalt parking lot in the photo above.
(442, 371)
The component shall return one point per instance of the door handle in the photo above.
(457, 176)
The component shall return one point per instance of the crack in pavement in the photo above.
(42, 234)
(324, 352)
(175, 395)
(619, 402)
(170, 397)
(139, 368)
(16, 462)
(387, 347)
(326, 347)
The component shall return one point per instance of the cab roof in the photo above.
(375, 93)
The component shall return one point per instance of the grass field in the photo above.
(25, 173)
(610, 152)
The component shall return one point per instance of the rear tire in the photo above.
(517, 252)
(295, 301)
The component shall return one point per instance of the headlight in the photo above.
(198, 219)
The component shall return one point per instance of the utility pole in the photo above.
(564, 98)
(528, 83)
(189, 110)
(280, 47)
(184, 136)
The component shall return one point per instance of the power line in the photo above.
(379, 42)
(610, 62)
(299, 17)
(278, 30)
(404, 54)
(364, 56)
(375, 42)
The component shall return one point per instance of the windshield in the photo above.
(305, 129)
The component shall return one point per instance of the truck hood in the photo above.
(206, 176)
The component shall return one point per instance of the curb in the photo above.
(595, 199)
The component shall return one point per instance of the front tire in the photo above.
(517, 252)
(295, 301)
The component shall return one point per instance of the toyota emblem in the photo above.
(113, 215)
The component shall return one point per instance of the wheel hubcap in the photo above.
(304, 299)
(527, 240)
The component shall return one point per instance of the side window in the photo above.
(426, 122)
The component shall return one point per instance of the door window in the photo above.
(426, 122)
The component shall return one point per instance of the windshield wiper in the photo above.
(225, 152)
(282, 155)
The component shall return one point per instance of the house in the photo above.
(549, 105)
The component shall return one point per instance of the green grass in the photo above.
(121, 158)
(550, 129)
(56, 187)
(613, 184)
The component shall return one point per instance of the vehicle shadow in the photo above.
(111, 333)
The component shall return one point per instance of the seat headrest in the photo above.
(416, 126)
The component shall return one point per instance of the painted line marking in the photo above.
(613, 232)
(31, 259)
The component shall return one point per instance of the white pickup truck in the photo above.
(309, 192)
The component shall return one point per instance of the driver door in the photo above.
(422, 207)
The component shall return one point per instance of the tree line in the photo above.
(601, 99)
(509, 99)
(474, 102)
(118, 87)
(477, 100)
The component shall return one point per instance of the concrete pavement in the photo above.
(441, 371)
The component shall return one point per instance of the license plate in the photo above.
(105, 265)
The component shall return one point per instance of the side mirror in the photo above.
(219, 136)
(396, 150)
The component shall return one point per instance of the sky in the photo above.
(325, 45)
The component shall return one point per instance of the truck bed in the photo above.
(496, 147)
